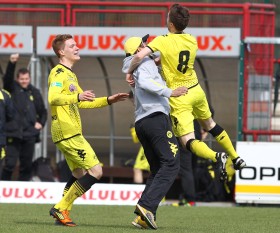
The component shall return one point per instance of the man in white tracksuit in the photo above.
(154, 130)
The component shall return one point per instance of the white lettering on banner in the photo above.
(109, 41)
(16, 39)
(51, 192)
(258, 182)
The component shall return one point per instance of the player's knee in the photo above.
(99, 174)
(96, 172)
(212, 125)
(207, 124)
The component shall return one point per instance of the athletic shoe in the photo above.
(57, 222)
(221, 165)
(238, 163)
(62, 217)
(139, 223)
(147, 216)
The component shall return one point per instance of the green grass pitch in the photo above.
(33, 218)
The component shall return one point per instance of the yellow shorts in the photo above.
(78, 153)
(141, 161)
(186, 108)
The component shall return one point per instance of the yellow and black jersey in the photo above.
(63, 99)
(178, 52)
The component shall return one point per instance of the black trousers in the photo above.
(187, 174)
(162, 152)
(22, 150)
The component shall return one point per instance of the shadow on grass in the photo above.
(40, 223)
(98, 226)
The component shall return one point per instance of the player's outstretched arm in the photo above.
(137, 59)
(87, 95)
(117, 97)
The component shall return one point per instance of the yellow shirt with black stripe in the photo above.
(63, 100)
(177, 54)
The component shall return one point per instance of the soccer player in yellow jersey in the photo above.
(65, 97)
(177, 53)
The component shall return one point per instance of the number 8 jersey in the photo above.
(177, 52)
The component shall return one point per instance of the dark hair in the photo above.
(179, 16)
(58, 43)
(22, 71)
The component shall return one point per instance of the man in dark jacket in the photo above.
(6, 114)
(24, 130)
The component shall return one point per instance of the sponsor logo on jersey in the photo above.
(56, 84)
(72, 88)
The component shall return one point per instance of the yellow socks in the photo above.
(223, 139)
(225, 142)
(77, 189)
(69, 183)
(202, 150)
